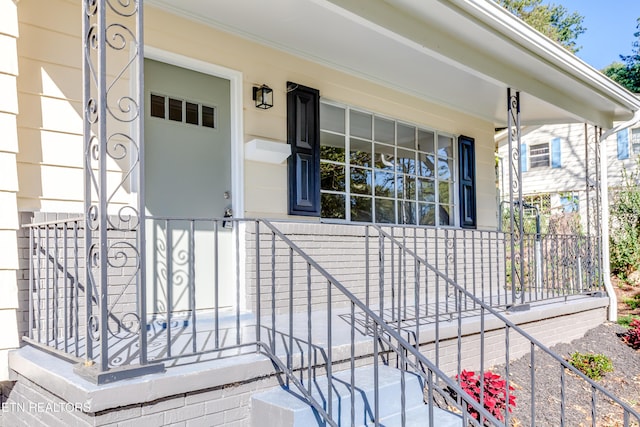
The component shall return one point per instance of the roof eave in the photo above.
(504, 22)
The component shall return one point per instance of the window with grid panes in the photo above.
(541, 201)
(376, 169)
(539, 155)
(569, 202)
(635, 141)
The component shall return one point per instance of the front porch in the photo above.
(278, 270)
(139, 313)
(219, 390)
(311, 299)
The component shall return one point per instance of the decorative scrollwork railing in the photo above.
(112, 53)
(514, 187)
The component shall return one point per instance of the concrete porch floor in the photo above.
(215, 369)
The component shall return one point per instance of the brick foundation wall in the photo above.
(474, 259)
(30, 405)
(23, 275)
(548, 331)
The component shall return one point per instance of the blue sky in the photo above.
(610, 26)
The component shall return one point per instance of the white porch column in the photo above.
(604, 191)
(8, 182)
(606, 261)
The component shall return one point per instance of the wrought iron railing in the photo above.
(417, 297)
(554, 266)
(56, 294)
(64, 313)
(499, 338)
(371, 339)
(557, 265)
(474, 259)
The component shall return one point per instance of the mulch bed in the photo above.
(623, 382)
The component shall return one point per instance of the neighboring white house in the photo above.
(221, 197)
(554, 165)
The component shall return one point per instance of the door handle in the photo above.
(228, 213)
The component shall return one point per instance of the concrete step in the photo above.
(419, 417)
(287, 408)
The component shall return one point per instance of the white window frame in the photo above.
(634, 141)
(453, 204)
(533, 147)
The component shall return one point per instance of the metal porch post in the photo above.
(516, 213)
(113, 103)
(593, 174)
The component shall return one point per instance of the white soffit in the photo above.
(442, 51)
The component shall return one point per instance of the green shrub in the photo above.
(633, 303)
(592, 365)
(625, 225)
(626, 320)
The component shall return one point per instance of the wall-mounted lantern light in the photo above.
(263, 96)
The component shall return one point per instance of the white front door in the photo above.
(187, 176)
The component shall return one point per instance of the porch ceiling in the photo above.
(459, 53)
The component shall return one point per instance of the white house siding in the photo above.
(50, 95)
(8, 182)
(41, 152)
(266, 184)
(572, 175)
(617, 166)
(50, 134)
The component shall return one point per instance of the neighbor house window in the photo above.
(539, 155)
(541, 202)
(635, 141)
(569, 202)
(377, 169)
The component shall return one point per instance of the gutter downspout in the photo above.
(604, 193)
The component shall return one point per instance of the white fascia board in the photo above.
(395, 19)
(534, 65)
(533, 41)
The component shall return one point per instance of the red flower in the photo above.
(632, 336)
(493, 396)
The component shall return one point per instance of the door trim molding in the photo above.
(237, 147)
(237, 137)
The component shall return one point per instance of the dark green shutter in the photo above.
(467, 167)
(303, 134)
